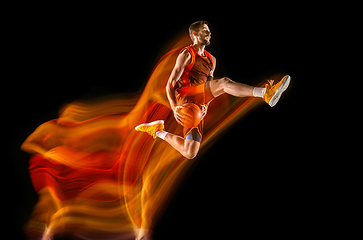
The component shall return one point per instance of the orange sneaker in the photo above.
(273, 92)
(151, 128)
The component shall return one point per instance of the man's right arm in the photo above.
(181, 62)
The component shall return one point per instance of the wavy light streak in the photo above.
(98, 178)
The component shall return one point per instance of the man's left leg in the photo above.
(226, 85)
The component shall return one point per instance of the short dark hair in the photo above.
(194, 27)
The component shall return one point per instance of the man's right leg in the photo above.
(188, 147)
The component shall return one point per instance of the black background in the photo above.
(258, 178)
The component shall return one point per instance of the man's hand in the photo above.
(204, 109)
(178, 117)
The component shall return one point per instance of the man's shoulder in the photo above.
(185, 53)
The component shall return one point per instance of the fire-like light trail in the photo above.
(96, 176)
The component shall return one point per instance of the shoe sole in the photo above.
(149, 124)
(280, 90)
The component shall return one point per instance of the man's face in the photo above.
(204, 35)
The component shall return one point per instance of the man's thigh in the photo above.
(216, 87)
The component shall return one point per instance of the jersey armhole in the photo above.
(192, 60)
(209, 56)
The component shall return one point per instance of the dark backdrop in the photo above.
(256, 179)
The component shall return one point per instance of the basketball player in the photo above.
(191, 81)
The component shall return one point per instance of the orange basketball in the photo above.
(192, 115)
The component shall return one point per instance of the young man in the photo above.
(191, 81)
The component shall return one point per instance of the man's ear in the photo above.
(195, 33)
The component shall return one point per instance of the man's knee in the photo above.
(221, 82)
(225, 82)
(191, 154)
(191, 149)
(219, 85)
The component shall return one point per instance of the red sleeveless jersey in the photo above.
(195, 74)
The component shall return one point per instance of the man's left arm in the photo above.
(211, 74)
(210, 78)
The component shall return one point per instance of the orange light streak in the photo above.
(96, 176)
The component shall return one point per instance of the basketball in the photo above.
(192, 115)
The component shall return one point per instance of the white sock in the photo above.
(161, 134)
(259, 92)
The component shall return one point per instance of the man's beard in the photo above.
(205, 42)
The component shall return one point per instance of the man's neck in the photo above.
(199, 48)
